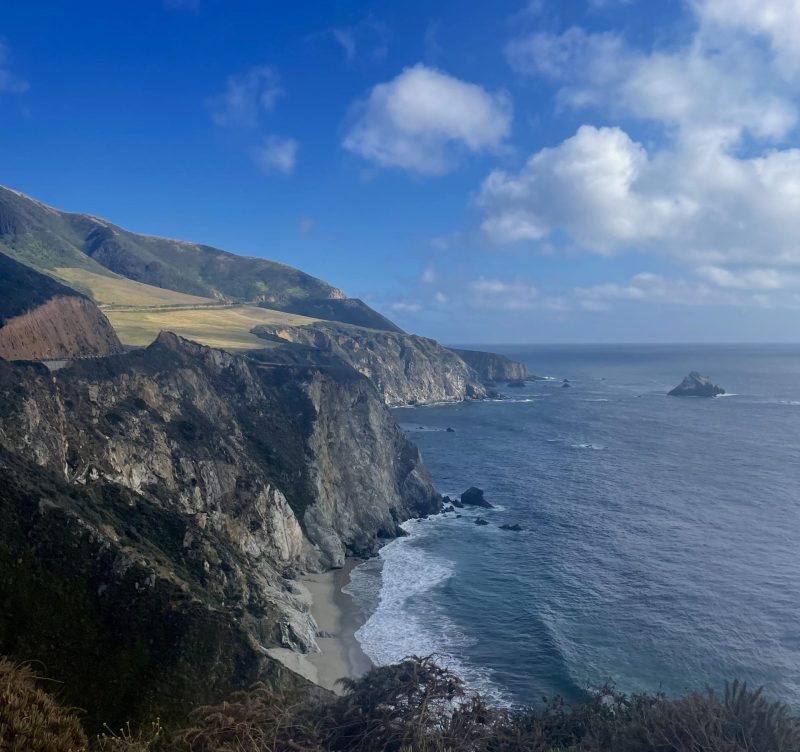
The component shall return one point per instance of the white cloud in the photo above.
(9, 81)
(276, 155)
(776, 20)
(424, 119)
(247, 97)
(595, 186)
(718, 190)
(405, 307)
(498, 294)
(745, 279)
(702, 91)
(653, 288)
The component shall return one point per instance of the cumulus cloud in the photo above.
(247, 97)
(718, 190)
(701, 91)
(778, 21)
(276, 154)
(424, 119)
(9, 82)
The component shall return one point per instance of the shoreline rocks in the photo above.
(473, 497)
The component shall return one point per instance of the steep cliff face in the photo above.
(211, 477)
(494, 367)
(406, 369)
(64, 327)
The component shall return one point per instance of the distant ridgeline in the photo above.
(64, 244)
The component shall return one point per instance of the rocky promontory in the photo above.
(493, 367)
(696, 385)
(406, 369)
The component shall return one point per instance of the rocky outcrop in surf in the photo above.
(696, 385)
(406, 369)
(162, 497)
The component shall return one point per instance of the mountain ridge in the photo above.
(49, 239)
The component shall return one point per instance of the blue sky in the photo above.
(556, 170)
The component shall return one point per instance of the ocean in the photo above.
(661, 541)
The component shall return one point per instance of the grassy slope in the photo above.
(114, 290)
(227, 327)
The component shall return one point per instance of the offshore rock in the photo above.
(696, 385)
(473, 497)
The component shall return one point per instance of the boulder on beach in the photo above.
(515, 528)
(696, 385)
(473, 497)
(480, 521)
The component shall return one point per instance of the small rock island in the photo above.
(696, 385)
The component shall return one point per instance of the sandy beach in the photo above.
(338, 617)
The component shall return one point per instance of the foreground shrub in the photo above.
(415, 706)
(30, 719)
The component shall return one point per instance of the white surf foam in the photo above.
(396, 629)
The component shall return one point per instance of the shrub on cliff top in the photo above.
(416, 706)
(30, 719)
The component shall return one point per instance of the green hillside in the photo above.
(80, 247)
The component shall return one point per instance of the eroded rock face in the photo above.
(696, 385)
(406, 369)
(62, 328)
(214, 478)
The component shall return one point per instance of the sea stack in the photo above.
(473, 497)
(696, 385)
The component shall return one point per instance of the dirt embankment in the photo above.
(63, 327)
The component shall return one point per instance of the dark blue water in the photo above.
(661, 548)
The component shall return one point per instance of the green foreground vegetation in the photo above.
(414, 706)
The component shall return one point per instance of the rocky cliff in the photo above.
(406, 369)
(41, 319)
(160, 499)
(494, 367)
